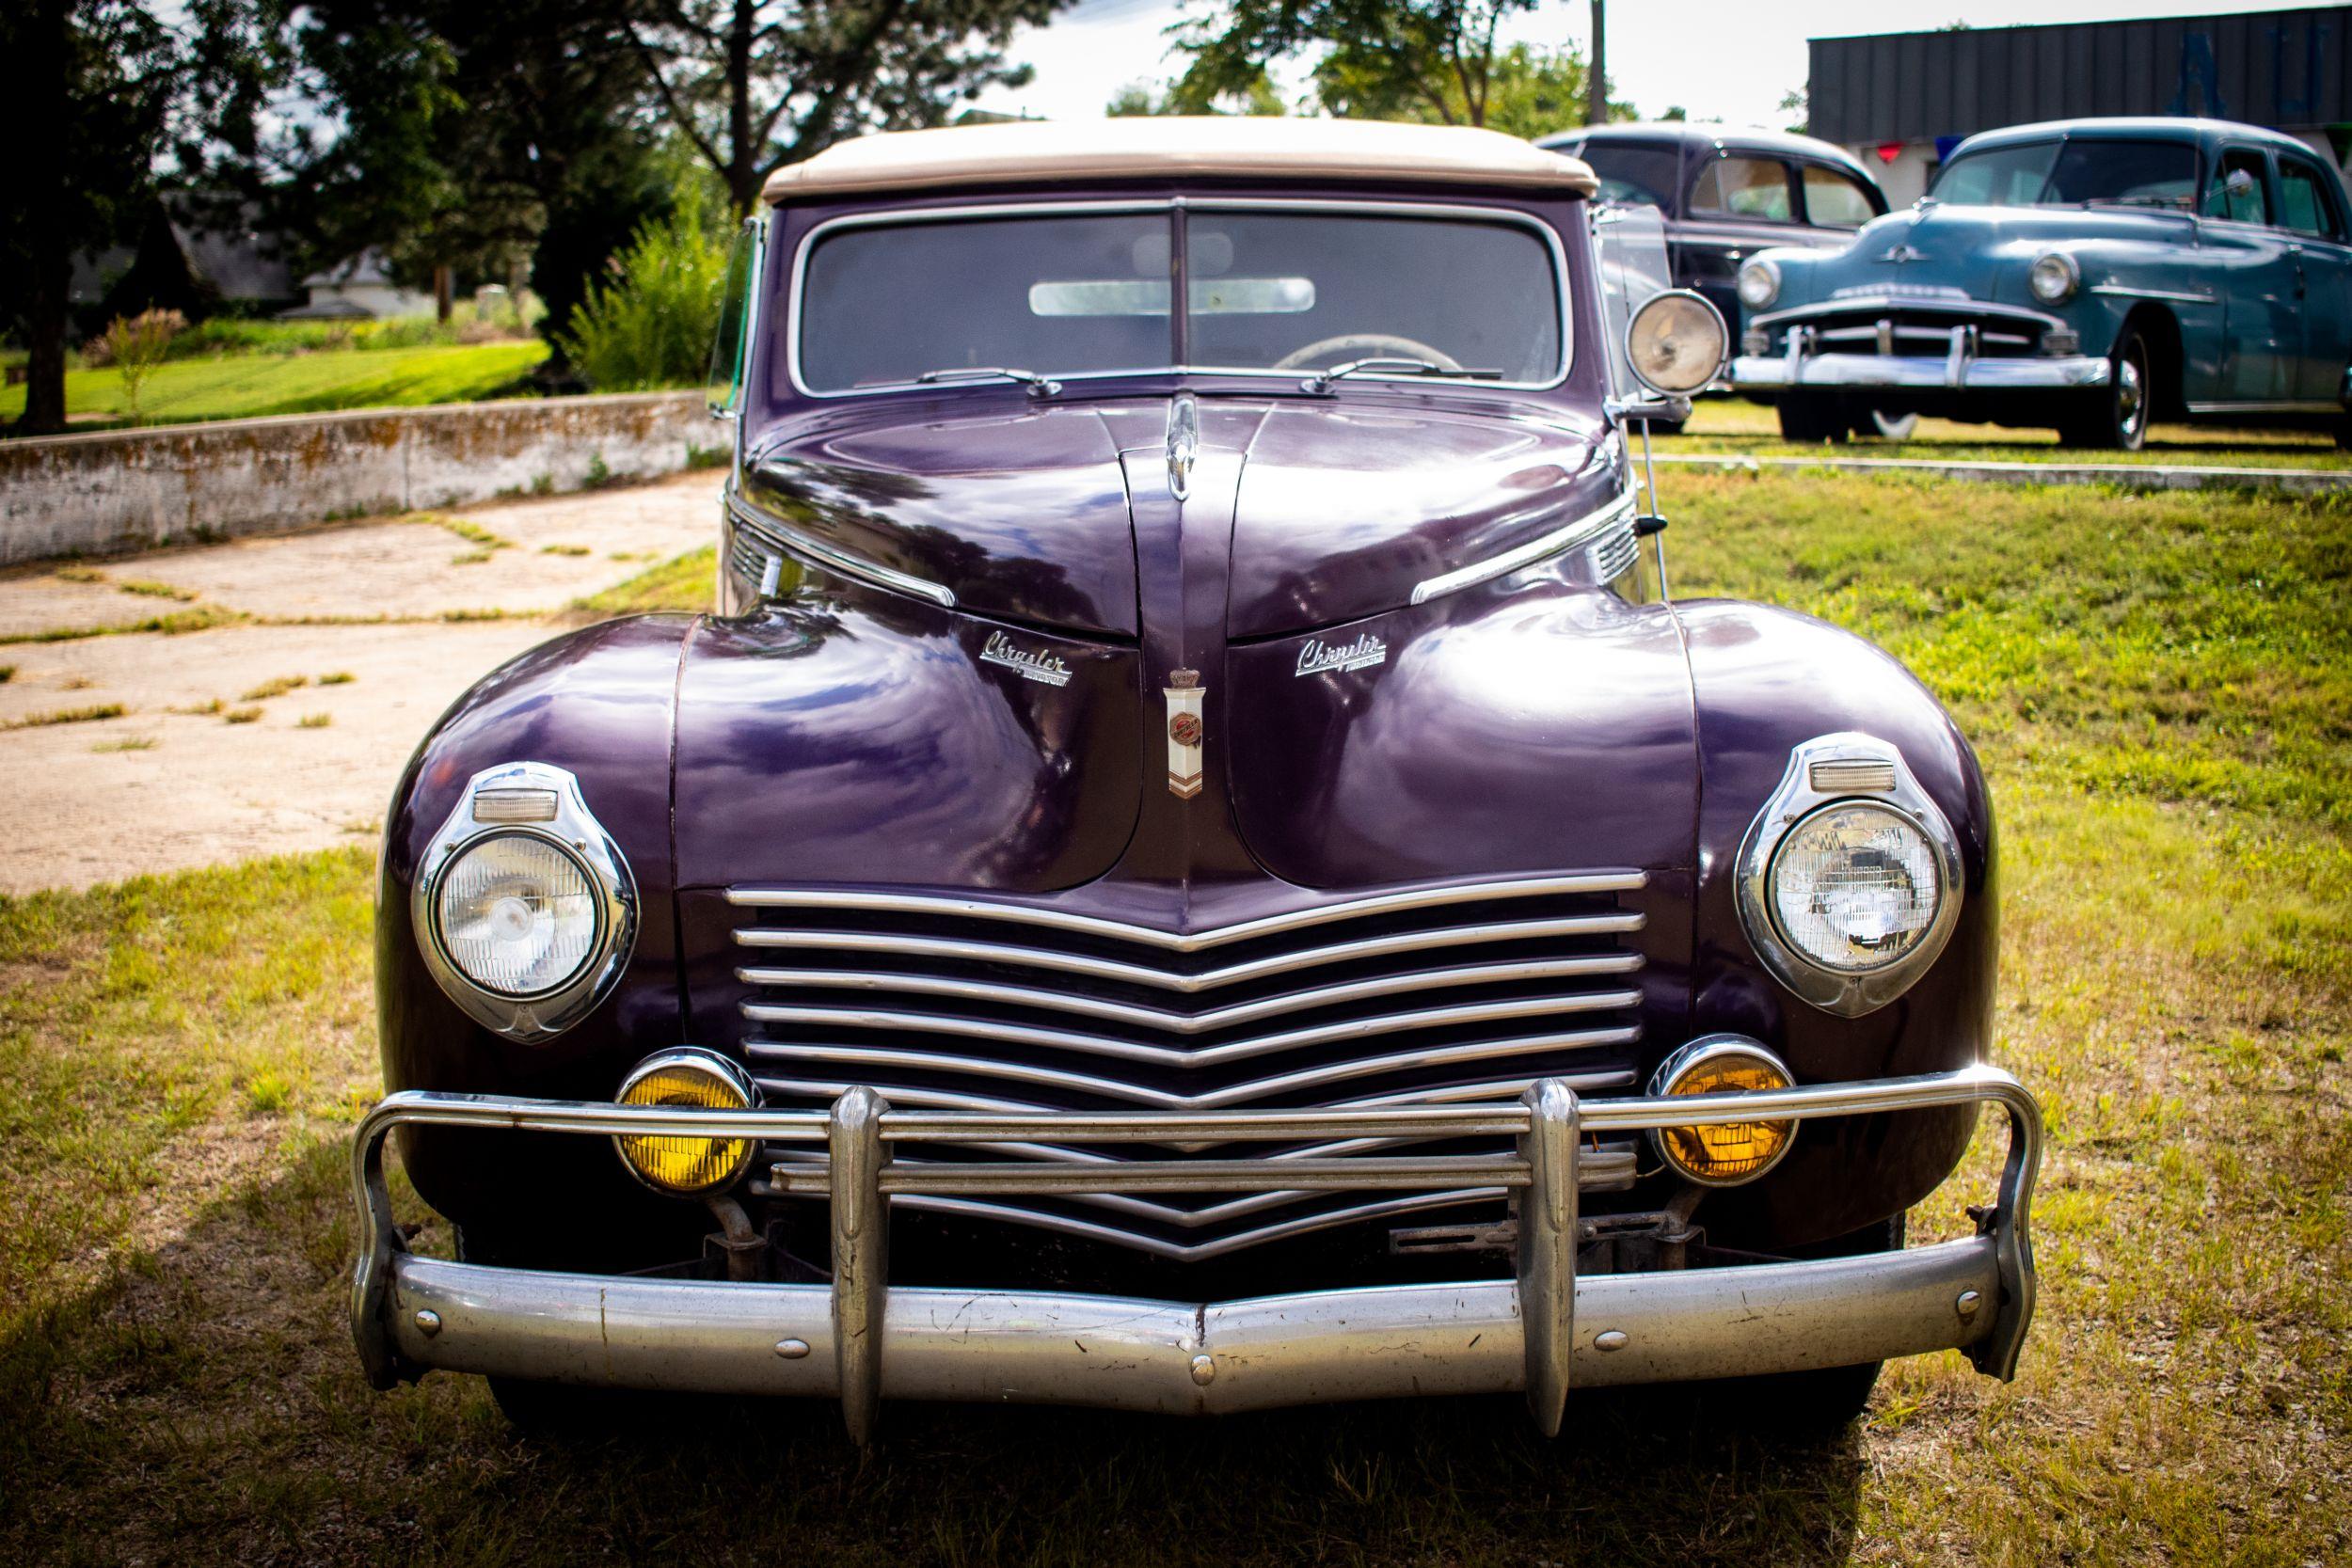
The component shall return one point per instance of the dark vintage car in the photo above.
(1728, 193)
(2090, 274)
(1195, 866)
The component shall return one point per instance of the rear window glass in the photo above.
(2303, 200)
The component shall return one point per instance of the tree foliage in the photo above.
(651, 321)
(756, 84)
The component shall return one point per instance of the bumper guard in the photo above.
(1958, 369)
(861, 1339)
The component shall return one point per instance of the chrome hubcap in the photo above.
(2130, 408)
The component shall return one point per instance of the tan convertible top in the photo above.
(1147, 147)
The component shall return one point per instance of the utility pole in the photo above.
(1596, 69)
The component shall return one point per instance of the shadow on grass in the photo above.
(204, 1405)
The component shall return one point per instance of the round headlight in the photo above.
(517, 914)
(679, 1163)
(1676, 342)
(1854, 886)
(2053, 278)
(1759, 284)
(1725, 1153)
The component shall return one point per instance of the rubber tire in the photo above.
(1817, 1404)
(2116, 417)
(1812, 420)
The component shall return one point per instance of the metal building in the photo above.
(1899, 101)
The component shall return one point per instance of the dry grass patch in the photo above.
(66, 716)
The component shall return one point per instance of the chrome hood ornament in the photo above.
(1184, 693)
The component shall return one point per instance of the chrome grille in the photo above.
(1447, 995)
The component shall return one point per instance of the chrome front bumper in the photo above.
(1958, 368)
(861, 1339)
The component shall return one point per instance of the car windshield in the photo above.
(1638, 173)
(2072, 173)
(1088, 293)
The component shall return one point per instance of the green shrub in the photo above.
(651, 323)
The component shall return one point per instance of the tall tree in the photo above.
(1434, 60)
(756, 84)
(97, 97)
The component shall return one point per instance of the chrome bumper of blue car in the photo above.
(1958, 368)
(861, 1339)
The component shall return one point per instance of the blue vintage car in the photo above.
(2090, 274)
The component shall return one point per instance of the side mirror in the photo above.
(1675, 343)
(2237, 182)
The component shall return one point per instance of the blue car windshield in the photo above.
(2072, 173)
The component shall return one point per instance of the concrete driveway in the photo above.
(285, 730)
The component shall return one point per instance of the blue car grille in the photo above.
(1448, 995)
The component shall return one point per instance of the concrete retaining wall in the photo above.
(128, 490)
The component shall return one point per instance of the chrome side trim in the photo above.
(2129, 290)
(1540, 1332)
(1231, 1095)
(768, 529)
(966, 211)
(1181, 942)
(893, 1019)
(1568, 536)
(2305, 406)
(1142, 975)
(1194, 1024)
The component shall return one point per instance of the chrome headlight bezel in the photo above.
(1766, 277)
(2055, 265)
(1845, 768)
(513, 800)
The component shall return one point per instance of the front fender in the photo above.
(1764, 681)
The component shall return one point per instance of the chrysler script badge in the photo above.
(1184, 694)
(1045, 667)
(1362, 653)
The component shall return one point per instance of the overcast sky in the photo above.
(1748, 52)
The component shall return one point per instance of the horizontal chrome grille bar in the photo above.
(1367, 1173)
(1234, 1050)
(1195, 1252)
(1237, 1094)
(1176, 942)
(916, 945)
(1189, 1023)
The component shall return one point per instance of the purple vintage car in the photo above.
(1196, 865)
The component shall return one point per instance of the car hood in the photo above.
(1338, 509)
(1983, 251)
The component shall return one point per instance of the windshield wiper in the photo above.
(1321, 381)
(1039, 386)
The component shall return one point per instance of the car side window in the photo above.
(2305, 205)
(1737, 187)
(2237, 193)
(1834, 200)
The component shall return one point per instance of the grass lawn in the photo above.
(247, 385)
(2160, 686)
(1753, 429)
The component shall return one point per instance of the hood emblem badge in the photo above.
(1185, 733)
(1316, 655)
(1904, 253)
(1184, 443)
(1035, 666)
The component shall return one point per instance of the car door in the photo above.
(2313, 217)
(1739, 202)
(2254, 271)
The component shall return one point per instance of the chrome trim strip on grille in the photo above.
(1169, 1055)
(770, 529)
(1180, 1024)
(1197, 1251)
(1141, 974)
(1177, 941)
(1235, 1094)
(1582, 531)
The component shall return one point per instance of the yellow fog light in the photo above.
(1727, 1153)
(674, 1162)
